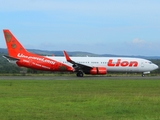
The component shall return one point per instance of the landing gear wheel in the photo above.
(79, 74)
(142, 75)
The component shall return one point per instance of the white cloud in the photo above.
(138, 41)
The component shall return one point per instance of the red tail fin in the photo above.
(13, 45)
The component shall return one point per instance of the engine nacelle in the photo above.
(97, 71)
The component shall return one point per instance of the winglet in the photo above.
(67, 56)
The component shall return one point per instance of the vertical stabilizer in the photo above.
(13, 45)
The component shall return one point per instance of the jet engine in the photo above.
(97, 71)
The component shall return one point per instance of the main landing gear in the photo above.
(79, 74)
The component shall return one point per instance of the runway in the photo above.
(79, 78)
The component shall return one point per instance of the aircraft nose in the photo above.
(155, 66)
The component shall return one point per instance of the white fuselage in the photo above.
(117, 64)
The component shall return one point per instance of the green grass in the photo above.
(80, 99)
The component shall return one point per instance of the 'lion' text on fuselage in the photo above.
(122, 63)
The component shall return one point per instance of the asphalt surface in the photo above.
(79, 78)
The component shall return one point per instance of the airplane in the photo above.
(80, 65)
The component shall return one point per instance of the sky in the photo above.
(120, 27)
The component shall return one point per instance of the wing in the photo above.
(76, 66)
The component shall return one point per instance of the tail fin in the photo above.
(13, 45)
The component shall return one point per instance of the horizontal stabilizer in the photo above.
(10, 59)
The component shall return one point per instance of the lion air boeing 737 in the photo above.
(80, 65)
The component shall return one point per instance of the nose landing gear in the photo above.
(143, 75)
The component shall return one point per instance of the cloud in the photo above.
(138, 41)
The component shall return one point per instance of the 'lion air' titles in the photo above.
(122, 63)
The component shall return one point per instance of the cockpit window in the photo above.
(150, 62)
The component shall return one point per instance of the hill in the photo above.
(78, 53)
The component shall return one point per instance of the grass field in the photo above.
(80, 99)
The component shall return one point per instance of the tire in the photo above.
(79, 74)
